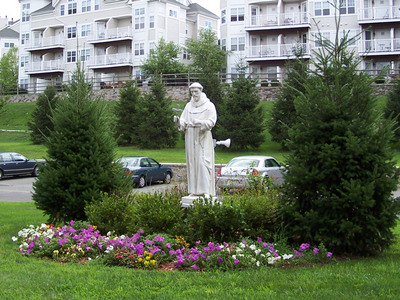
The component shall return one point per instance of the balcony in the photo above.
(111, 60)
(46, 43)
(47, 66)
(380, 47)
(285, 20)
(379, 14)
(276, 52)
(111, 35)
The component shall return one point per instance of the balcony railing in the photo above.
(111, 34)
(45, 66)
(47, 42)
(278, 50)
(110, 60)
(284, 19)
(379, 13)
(379, 46)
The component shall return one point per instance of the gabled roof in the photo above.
(45, 9)
(195, 8)
(7, 32)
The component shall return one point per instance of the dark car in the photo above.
(14, 164)
(145, 170)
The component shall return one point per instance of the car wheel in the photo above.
(167, 178)
(35, 172)
(142, 182)
(1, 174)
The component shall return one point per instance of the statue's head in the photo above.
(196, 89)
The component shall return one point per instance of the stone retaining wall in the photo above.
(181, 93)
(179, 171)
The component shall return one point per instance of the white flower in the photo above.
(14, 239)
(242, 245)
(109, 233)
(257, 263)
(234, 256)
(258, 251)
(253, 247)
(287, 256)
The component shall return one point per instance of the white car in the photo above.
(235, 173)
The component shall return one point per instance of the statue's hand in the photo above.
(197, 122)
(176, 119)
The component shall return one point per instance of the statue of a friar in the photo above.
(197, 120)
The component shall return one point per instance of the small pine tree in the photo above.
(155, 125)
(126, 113)
(283, 114)
(341, 172)
(392, 109)
(40, 123)
(81, 150)
(242, 120)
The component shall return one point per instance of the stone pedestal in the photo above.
(187, 201)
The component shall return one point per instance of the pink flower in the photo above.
(329, 254)
(315, 250)
(195, 267)
(72, 222)
(220, 259)
(236, 261)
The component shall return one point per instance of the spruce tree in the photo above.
(341, 172)
(283, 114)
(243, 118)
(126, 112)
(80, 155)
(155, 125)
(40, 123)
(392, 109)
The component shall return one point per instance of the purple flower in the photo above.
(195, 267)
(72, 222)
(259, 240)
(198, 242)
(236, 261)
(304, 246)
(141, 231)
(315, 250)
(168, 245)
(220, 259)
(329, 254)
(61, 242)
(159, 238)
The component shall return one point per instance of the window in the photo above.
(139, 18)
(84, 54)
(71, 32)
(223, 16)
(207, 24)
(151, 24)
(351, 36)
(347, 7)
(139, 49)
(186, 55)
(85, 30)
(237, 44)
(86, 5)
(72, 7)
(24, 38)
(237, 14)
(62, 10)
(138, 74)
(23, 84)
(9, 45)
(25, 16)
(24, 61)
(322, 38)
(223, 44)
(96, 4)
(71, 56)
(173, 13)
(322, 8)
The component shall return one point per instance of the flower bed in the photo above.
(78, 242)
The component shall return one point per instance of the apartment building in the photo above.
(9, 35)
(111, 38)
(265, 33)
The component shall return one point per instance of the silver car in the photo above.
(235, 173)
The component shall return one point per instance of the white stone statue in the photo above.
(197, 120)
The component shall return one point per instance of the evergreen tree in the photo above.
(155, 126)
(126, 112)
(283, 114)
(392, 109)
(243, 118)
(40, 123)
(341, 172)
(81, 150)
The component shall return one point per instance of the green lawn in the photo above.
(31, 278)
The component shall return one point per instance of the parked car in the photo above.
(14, 164)
(145, 170)
(235, 174)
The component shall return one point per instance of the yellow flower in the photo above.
(148, 257)
(55, 252)
(73, 255)
(146, 263)
(140, 259)
(153, 262)
(94, 227)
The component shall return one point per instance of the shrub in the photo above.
(111, 213)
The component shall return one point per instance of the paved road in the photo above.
(20, 189)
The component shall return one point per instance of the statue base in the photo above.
(187, 201)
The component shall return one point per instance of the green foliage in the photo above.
(40, 123)
(392, 109)
(111, 213)
(80, 162)
(9, 72)
(126, 114)
(155, 126)
(164, 59)
(283, 114)
(242, 119)
(3, 102)
(341, 173)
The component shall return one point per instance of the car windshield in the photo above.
(243, 163)
(130, 162)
